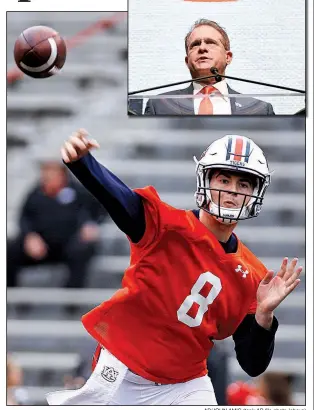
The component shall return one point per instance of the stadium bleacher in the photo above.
(90, 92)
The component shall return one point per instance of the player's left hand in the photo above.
(274, 289)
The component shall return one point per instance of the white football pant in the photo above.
(112, 383)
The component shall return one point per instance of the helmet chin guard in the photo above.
(232, 153)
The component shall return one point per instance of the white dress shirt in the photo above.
(221, 105)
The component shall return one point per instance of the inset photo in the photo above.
(210, 57)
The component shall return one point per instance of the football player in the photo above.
(191, 281)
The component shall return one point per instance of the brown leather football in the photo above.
(40, 51)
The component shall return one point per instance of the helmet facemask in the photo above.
(234, 154)
(248, 209)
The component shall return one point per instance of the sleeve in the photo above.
(254, 345)
(91, 209)
(123, 205)
(153, 216)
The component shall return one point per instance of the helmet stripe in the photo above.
(229, 148)
(238, 149)
(247, 151)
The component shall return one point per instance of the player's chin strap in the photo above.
(226, 216)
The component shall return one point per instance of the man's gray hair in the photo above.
(210, 23)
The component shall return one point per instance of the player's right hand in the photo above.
(77, 146)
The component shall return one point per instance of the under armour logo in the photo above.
(239, 269)
(109, 374)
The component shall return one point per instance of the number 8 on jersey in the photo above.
(201, 301)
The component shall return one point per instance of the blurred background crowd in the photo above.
(65, 255)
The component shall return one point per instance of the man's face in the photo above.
(239, 185)
(205, 49)
(52, 178)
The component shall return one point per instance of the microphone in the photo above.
(218, 77)
(214, 71)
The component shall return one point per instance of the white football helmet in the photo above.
(234, 153)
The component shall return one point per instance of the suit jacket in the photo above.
(239, 106)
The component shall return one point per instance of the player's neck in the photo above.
(220, 230)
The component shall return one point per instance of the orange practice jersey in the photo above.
(180, 293)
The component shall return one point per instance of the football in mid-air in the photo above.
(40, 51)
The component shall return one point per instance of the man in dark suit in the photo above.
(207, 45)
